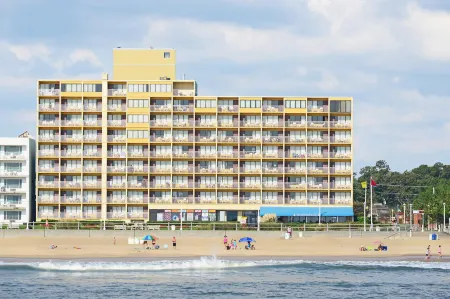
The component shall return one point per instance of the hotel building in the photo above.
(144, 146)
(17, 178)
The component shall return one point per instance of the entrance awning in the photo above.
(308, 211)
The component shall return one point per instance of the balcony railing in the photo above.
(297, 201)
(183, 108)
(247, 200)
(161, 154)
(205, 139)
(138, 154)
(182, 185)
(183, 123)
(250, 139)
(273, 139)
(340, 201)
(47, 153)
(227, 155)
(295, 139)
(117, 92)
(228, 124)
(318, 201)
(205, 185)
(183, 138)
(9, 189)
(49, 107)
(92, 108)
(273, 200)
(295, 170)
(49, 92)
(92, 169)
(162, 185)
(272, 109)
(317, 170)
(183, 169)
(341, 124)
(72, 138)
(161, 108)
(227, 200)
(318, 155)
(183, 200)
(205, 155)
(205, 200)
(92, 123)
(318, 109)
(92, 200)
(72, 168)
(334, 139)
(227, 170)
(183, 92)
(72, 215)
(228, 108)
(48, 199)
(43, 215)
(317, 124)
(333, 185)
(295, 155)
(12, 173)
(160, 200)
(272, 124)
(116, 200)
(206, 123)
(273, 169)
(71, 184)
(137, 200)
(251, 185)
(117, 138)
(116, 215)
(71, 199)
(137, 169)
(278, 185)
(318, 139)
(278, 154)
(229, 139)
(343, 155)
(155, 169)
(116, 185)
(317, 185)
(48, 138)
(72, 108)
(334, 170)
(161, 138)
(251, 124)
(296, 123)
(228, 185)
(199, 169)
(161, 123)
(117, 123)
(92, 184)
(12, 156)
(138, 184)
(251, 170)
(117, 154)
(296, 185)
(116, 169)
(72, 154)
(249, 155)
(92, 215)
(117, 108)
(183, 155)
(49, 123)
(48, 184)
(91, 153)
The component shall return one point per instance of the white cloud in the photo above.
(28, 52)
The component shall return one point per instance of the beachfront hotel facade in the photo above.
(17, 180)
(144, 146)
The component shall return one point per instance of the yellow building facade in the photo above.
(144, 146)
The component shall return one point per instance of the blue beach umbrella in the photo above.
(149, 238)
(246, 239)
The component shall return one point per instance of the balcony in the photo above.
(183, 92)
(251, 170)
(161, 200)
(71, 108)
(183, 108)
(273, 200)
(48, 199)
(342, 155)
(205, 185)
(137, 184)
(116, 215)
(317, 124)
(251, 124)
(72, 169)
(228, 124)
(116, 185)
(12, 173)
(295, 139)
(227, 200)
(71, 184)
(229, 139)
(182, 185)
(228, 186)
(137, 200)
(92, 123)
(48, 153)
(205, 139)
(317, 185)
(318, 201)
(245, 155)
(334, 170)
(227, 155)
(341, 124)
(273, 139)
(318, 139)
(71, 199)
(71, 215)
(161, 185)
(250, 201)
(154, 169)
(92, 154)
(272, 109)
(317, 170)
(116, 169)
(183, 169)
(117, 92)
(92, 200)
(250, 139)
(228, 108)
(163, 123)
(71, 154)
(161, 138)
(296, 185)
(92, 138)
(205, 155)
(49, 123)
(272, 185)
(334, 139)
(341, 201)
(333, 185)
(272, 124)
(205, 200)
(318, 109)
(160, 154)
(183, 200)
(272, 170)
(183, 155)
(117, 123)
(47, 215)
(318, 155)
(199, 169)
(250, 185)
(117, 108)
(297, 201)
(49, 107)
(48, 184)
(138, 154)
(92, 108)
(49, 92)
(117, 138)
(227, 170)
(296, 123)
(295, 170)
(206, 123)
(72, 138)
(92, 215)
(292, 155)
(92, 184)
(48, 138)
(116, 200)
(137, 169)
(117, 154)
(278, 154)
(161, 108)
(183, 123)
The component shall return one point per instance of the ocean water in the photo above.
(210, 277)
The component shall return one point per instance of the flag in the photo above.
(373, 183)
(364, 185)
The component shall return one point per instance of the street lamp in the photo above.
(444, 217)
(428, 216)
(410, 215)
(404, 213)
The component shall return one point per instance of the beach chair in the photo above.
(369, 248)
(166, 246)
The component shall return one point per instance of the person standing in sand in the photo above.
(289, 231)
(174, 243)
(427, 253)
(439, 252)
(225, 241)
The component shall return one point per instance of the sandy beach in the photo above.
(74, 246)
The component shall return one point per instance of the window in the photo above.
(250, 104)
(48, 86)
(13, 199)
(71, 87)
(12, 215)
(92, 87)
(137, 134)
(13, 149)
(138, 118)
(138, 87)
(166, 54)
(295, 104)
(117, 86)
(341, 106)
(205, 104)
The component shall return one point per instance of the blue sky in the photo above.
(393, 57)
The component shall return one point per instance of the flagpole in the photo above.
(365, 204)
(371, 206)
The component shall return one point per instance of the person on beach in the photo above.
(225, 241)
(114, 241)
(427, 253)
(289, 231)
(439, 252)
(174, 243)
(235, 244)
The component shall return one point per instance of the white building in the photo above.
(17, 179)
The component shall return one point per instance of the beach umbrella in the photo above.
(246, 239)
(378, 242)
(149, 238)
